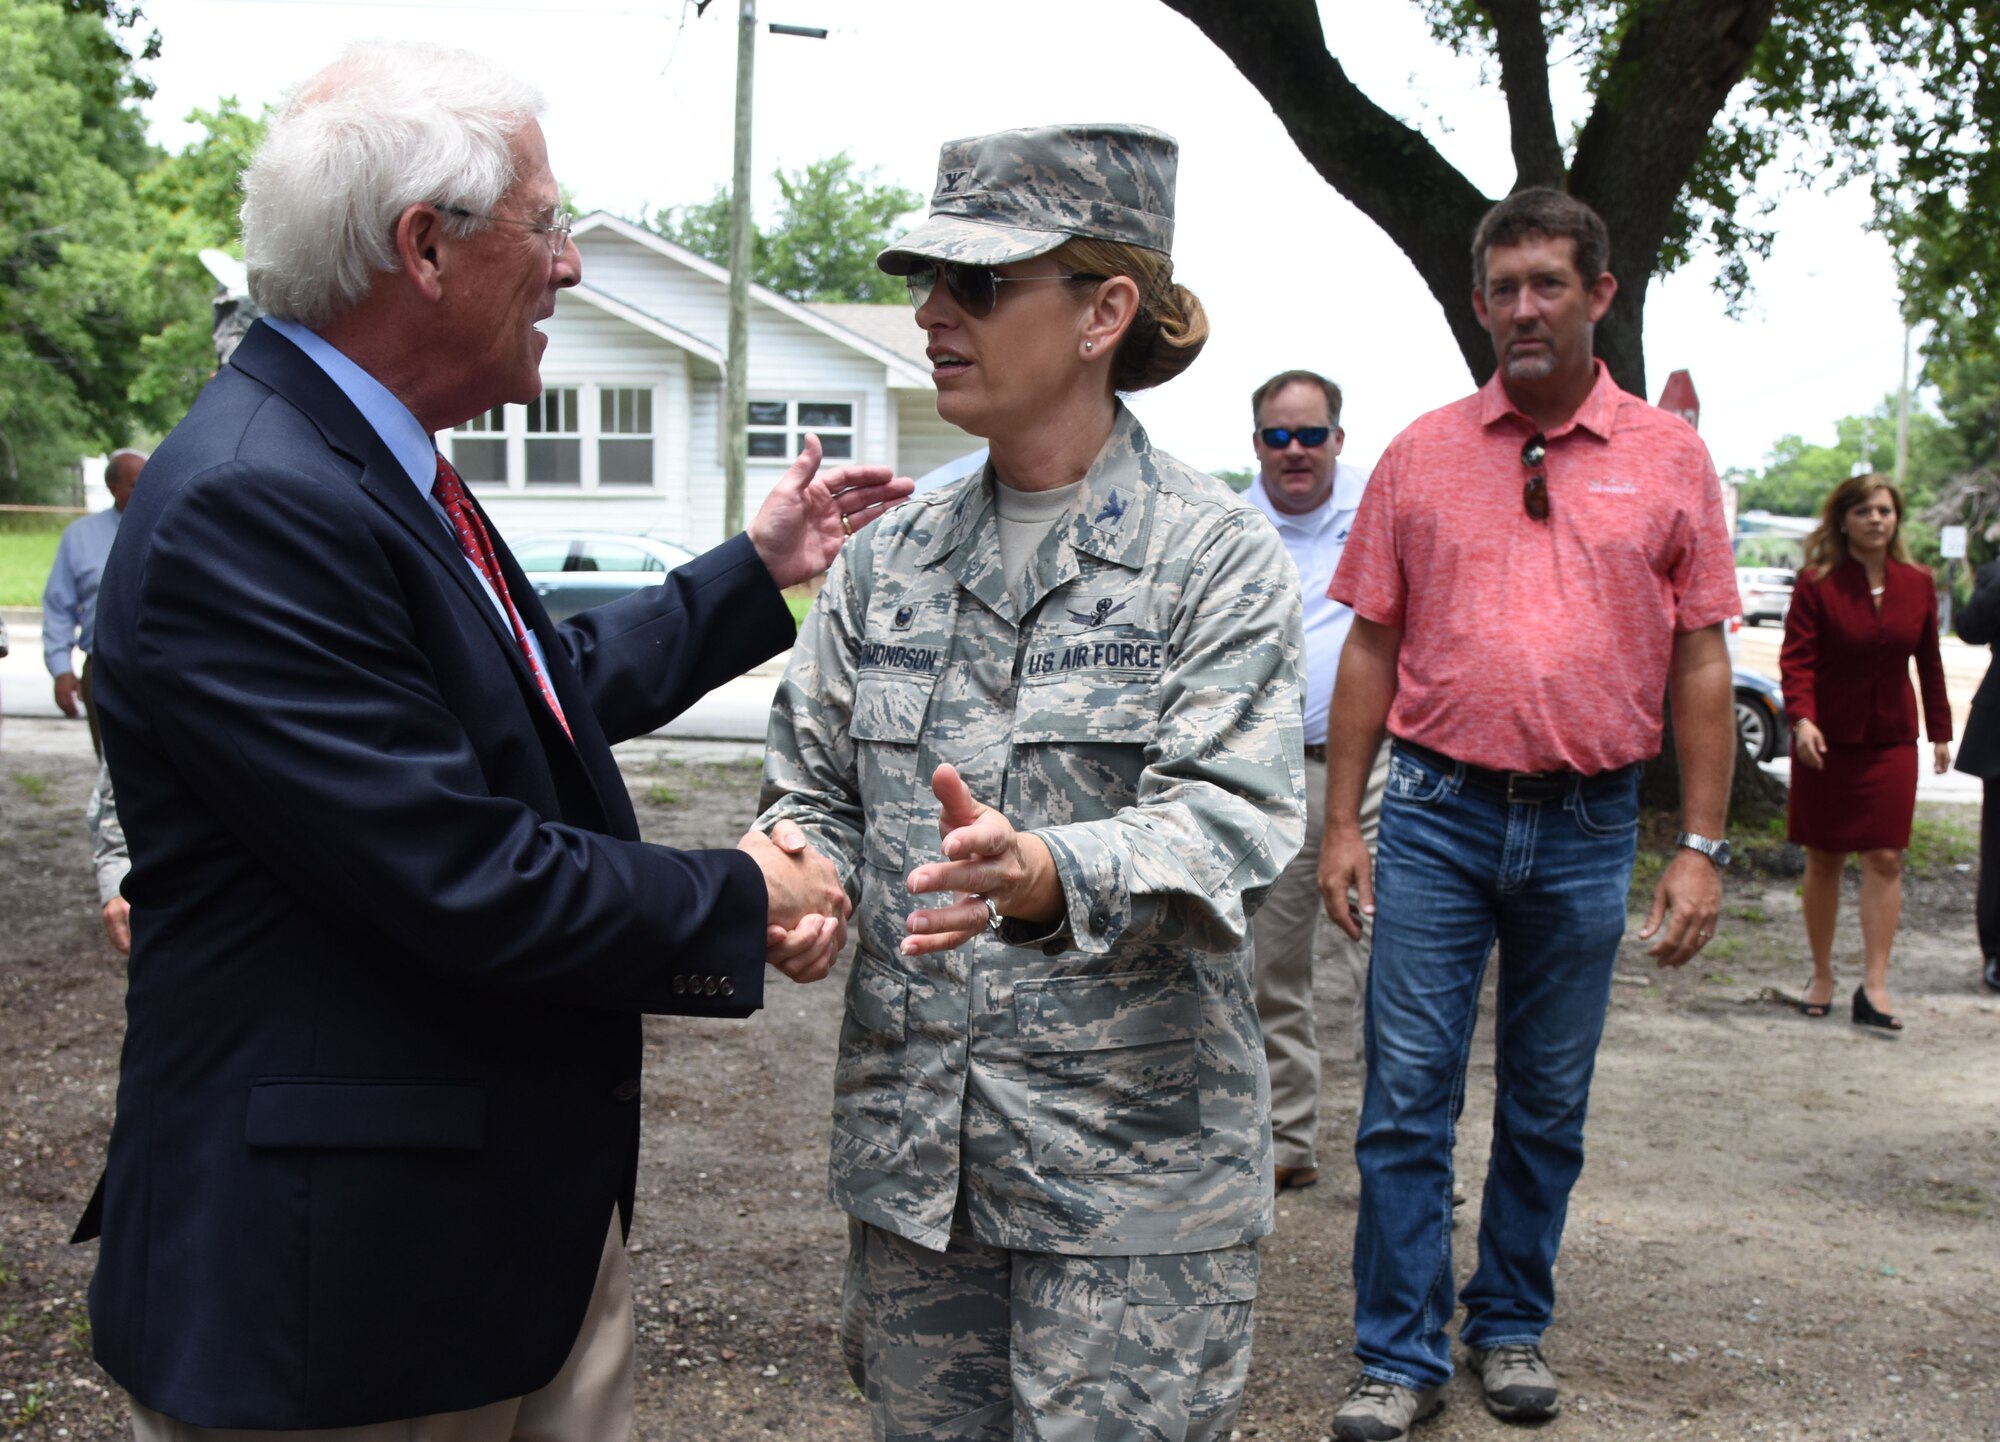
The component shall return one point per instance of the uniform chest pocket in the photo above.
(1081, 748)
(1112, 1072)
(887, 726)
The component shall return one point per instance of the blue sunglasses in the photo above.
(1278, 437)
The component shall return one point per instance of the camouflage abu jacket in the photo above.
(1138, 709)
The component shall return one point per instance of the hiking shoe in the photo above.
(1378, 1411)
(1519, 1385)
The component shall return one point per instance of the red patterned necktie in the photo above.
(478, 548)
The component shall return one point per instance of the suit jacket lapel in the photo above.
(274, 361)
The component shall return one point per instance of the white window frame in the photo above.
(514, 431)
(792, 430)
(595, 424)
(546, 402)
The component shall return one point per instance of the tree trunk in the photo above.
(1755, 796)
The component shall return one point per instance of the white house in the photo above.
(627, 434)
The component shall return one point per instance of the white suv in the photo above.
(1766, 594)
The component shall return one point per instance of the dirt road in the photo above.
(1787, 1228)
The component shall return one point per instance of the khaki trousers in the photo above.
(1289, 929)
(590, 1399)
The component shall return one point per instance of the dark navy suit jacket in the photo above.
(393, 931)
(1978, 621)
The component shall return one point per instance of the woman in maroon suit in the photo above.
(1860, 610)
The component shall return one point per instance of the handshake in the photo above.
(809, 907)
(989, 871)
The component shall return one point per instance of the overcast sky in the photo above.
(640, 106)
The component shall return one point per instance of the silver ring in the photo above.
(992, 914)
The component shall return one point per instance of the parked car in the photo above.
(1760, 714)
(574, 570)
(1766, 593)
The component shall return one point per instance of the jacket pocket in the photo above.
(868, 1074)
(1112, 1072)
(344, 1113)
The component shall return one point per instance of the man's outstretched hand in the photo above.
(810, 513)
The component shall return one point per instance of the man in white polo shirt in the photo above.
(1311, 496)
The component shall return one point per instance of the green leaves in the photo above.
(69, 147)
(831, 219)
(104, 304)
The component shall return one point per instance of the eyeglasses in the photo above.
(1535, 494)
(976, 288)
(556, 228)
(1278, 437)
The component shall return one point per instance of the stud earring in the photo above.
(1090, 345)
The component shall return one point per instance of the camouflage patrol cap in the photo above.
(1017, 194)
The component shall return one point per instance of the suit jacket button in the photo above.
(627, 1090)
(728, 987)
(710, 985)
(680, 986)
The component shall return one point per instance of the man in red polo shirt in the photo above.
(1531, 568)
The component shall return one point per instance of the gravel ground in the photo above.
(1787, 1228)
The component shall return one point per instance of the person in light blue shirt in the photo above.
(1311, 496)
(69, 600)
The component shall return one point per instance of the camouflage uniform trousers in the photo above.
(984, 1344)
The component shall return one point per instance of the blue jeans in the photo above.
(1459, 866)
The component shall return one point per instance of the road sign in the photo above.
(1951, 542)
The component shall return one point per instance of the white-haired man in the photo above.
(393, 925)
(69, 599)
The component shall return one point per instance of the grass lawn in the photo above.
(25, 558)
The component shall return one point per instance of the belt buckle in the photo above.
(1533, 786)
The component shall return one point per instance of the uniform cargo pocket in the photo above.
(336, 1112)
(1111, 1071)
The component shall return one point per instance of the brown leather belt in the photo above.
(1316, 751)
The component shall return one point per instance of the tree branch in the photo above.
(1384, 167)
(1521, 43)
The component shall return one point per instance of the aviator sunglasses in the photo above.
(976, 288)
(1278, 437)
(1535, 494)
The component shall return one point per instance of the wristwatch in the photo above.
(1716, 851)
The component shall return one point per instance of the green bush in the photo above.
(27, 550)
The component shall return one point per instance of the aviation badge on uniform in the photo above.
(1105, 609)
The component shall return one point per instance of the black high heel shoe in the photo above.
(1865, 1013)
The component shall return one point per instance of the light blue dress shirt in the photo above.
(1315, 542)
(69, 600)
(406, 439)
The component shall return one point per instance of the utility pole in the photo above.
(736, 380)
(736, 385)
